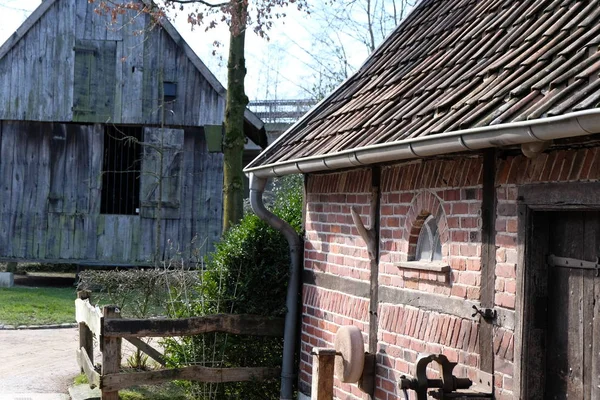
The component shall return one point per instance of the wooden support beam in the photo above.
(387, 294)
(117, 381)
(86, 337)
(242, 324)
(488, 259)
(149, 350)
(366, 234)
(322, 373)
(371, 238)
(374, 260)
(111, 356)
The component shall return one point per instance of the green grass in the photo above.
(80, 379)
(37, 306)
(167, 391)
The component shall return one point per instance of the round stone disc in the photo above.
(350, 361)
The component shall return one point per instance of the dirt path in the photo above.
(37, 361)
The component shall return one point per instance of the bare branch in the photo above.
(203, 2)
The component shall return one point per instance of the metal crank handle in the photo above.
(405, 394)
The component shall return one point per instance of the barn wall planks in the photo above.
(207, 198)
(65, 73)
(50, 199)
(126, 65)
(146, 57)
(32, 86)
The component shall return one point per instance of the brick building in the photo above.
(468, 145)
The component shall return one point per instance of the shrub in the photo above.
(138, 293)
(246, 274)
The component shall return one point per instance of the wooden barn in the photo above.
(468, 149)
(110, 140)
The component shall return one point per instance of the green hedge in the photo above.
(247, 274)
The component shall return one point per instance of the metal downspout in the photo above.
(257, 188)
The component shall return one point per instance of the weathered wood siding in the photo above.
(50, 199)
(75, 65)
(66, 71)
(36, 74)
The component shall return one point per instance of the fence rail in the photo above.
(108, 326)
(88, 314)
(113, 382)
(225, 323)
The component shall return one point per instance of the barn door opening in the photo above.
(562, 343)
(121, 170)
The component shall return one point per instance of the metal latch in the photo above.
(488, 314)
(565, 262)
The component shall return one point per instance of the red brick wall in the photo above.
(405, 331)
(451, 188)
(334, 246)
(323, 312)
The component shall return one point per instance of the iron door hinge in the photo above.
(565, 262)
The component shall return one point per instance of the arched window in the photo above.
(429, 247)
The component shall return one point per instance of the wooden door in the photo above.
(161, 173)
(572, 351)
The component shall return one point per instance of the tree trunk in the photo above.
(233, 143)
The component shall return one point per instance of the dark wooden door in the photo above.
(572, 367)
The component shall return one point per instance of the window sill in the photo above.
(435, 266)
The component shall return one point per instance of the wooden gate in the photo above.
(562, 334)
(109, 328)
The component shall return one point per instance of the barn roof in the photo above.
(455, 66)
(253, 126)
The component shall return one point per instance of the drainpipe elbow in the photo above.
(257, 188)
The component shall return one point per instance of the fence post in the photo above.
(322, 373)
(111, 352)
(86, 338)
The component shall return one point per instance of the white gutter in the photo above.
(580, 123)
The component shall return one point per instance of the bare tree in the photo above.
(342, 34)
(367, 21)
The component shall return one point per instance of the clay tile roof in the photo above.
(458, 64)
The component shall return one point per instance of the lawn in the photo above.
(166, 391)
(37, 306)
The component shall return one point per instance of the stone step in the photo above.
(83, 392)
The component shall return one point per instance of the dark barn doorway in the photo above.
(561, 331)
(121, 170)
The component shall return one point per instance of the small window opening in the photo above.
(121, 170)
(429, 247)
(170, 91)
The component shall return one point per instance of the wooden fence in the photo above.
(108, 326)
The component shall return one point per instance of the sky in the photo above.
(277, 69)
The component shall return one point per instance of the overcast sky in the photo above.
(276, 68)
